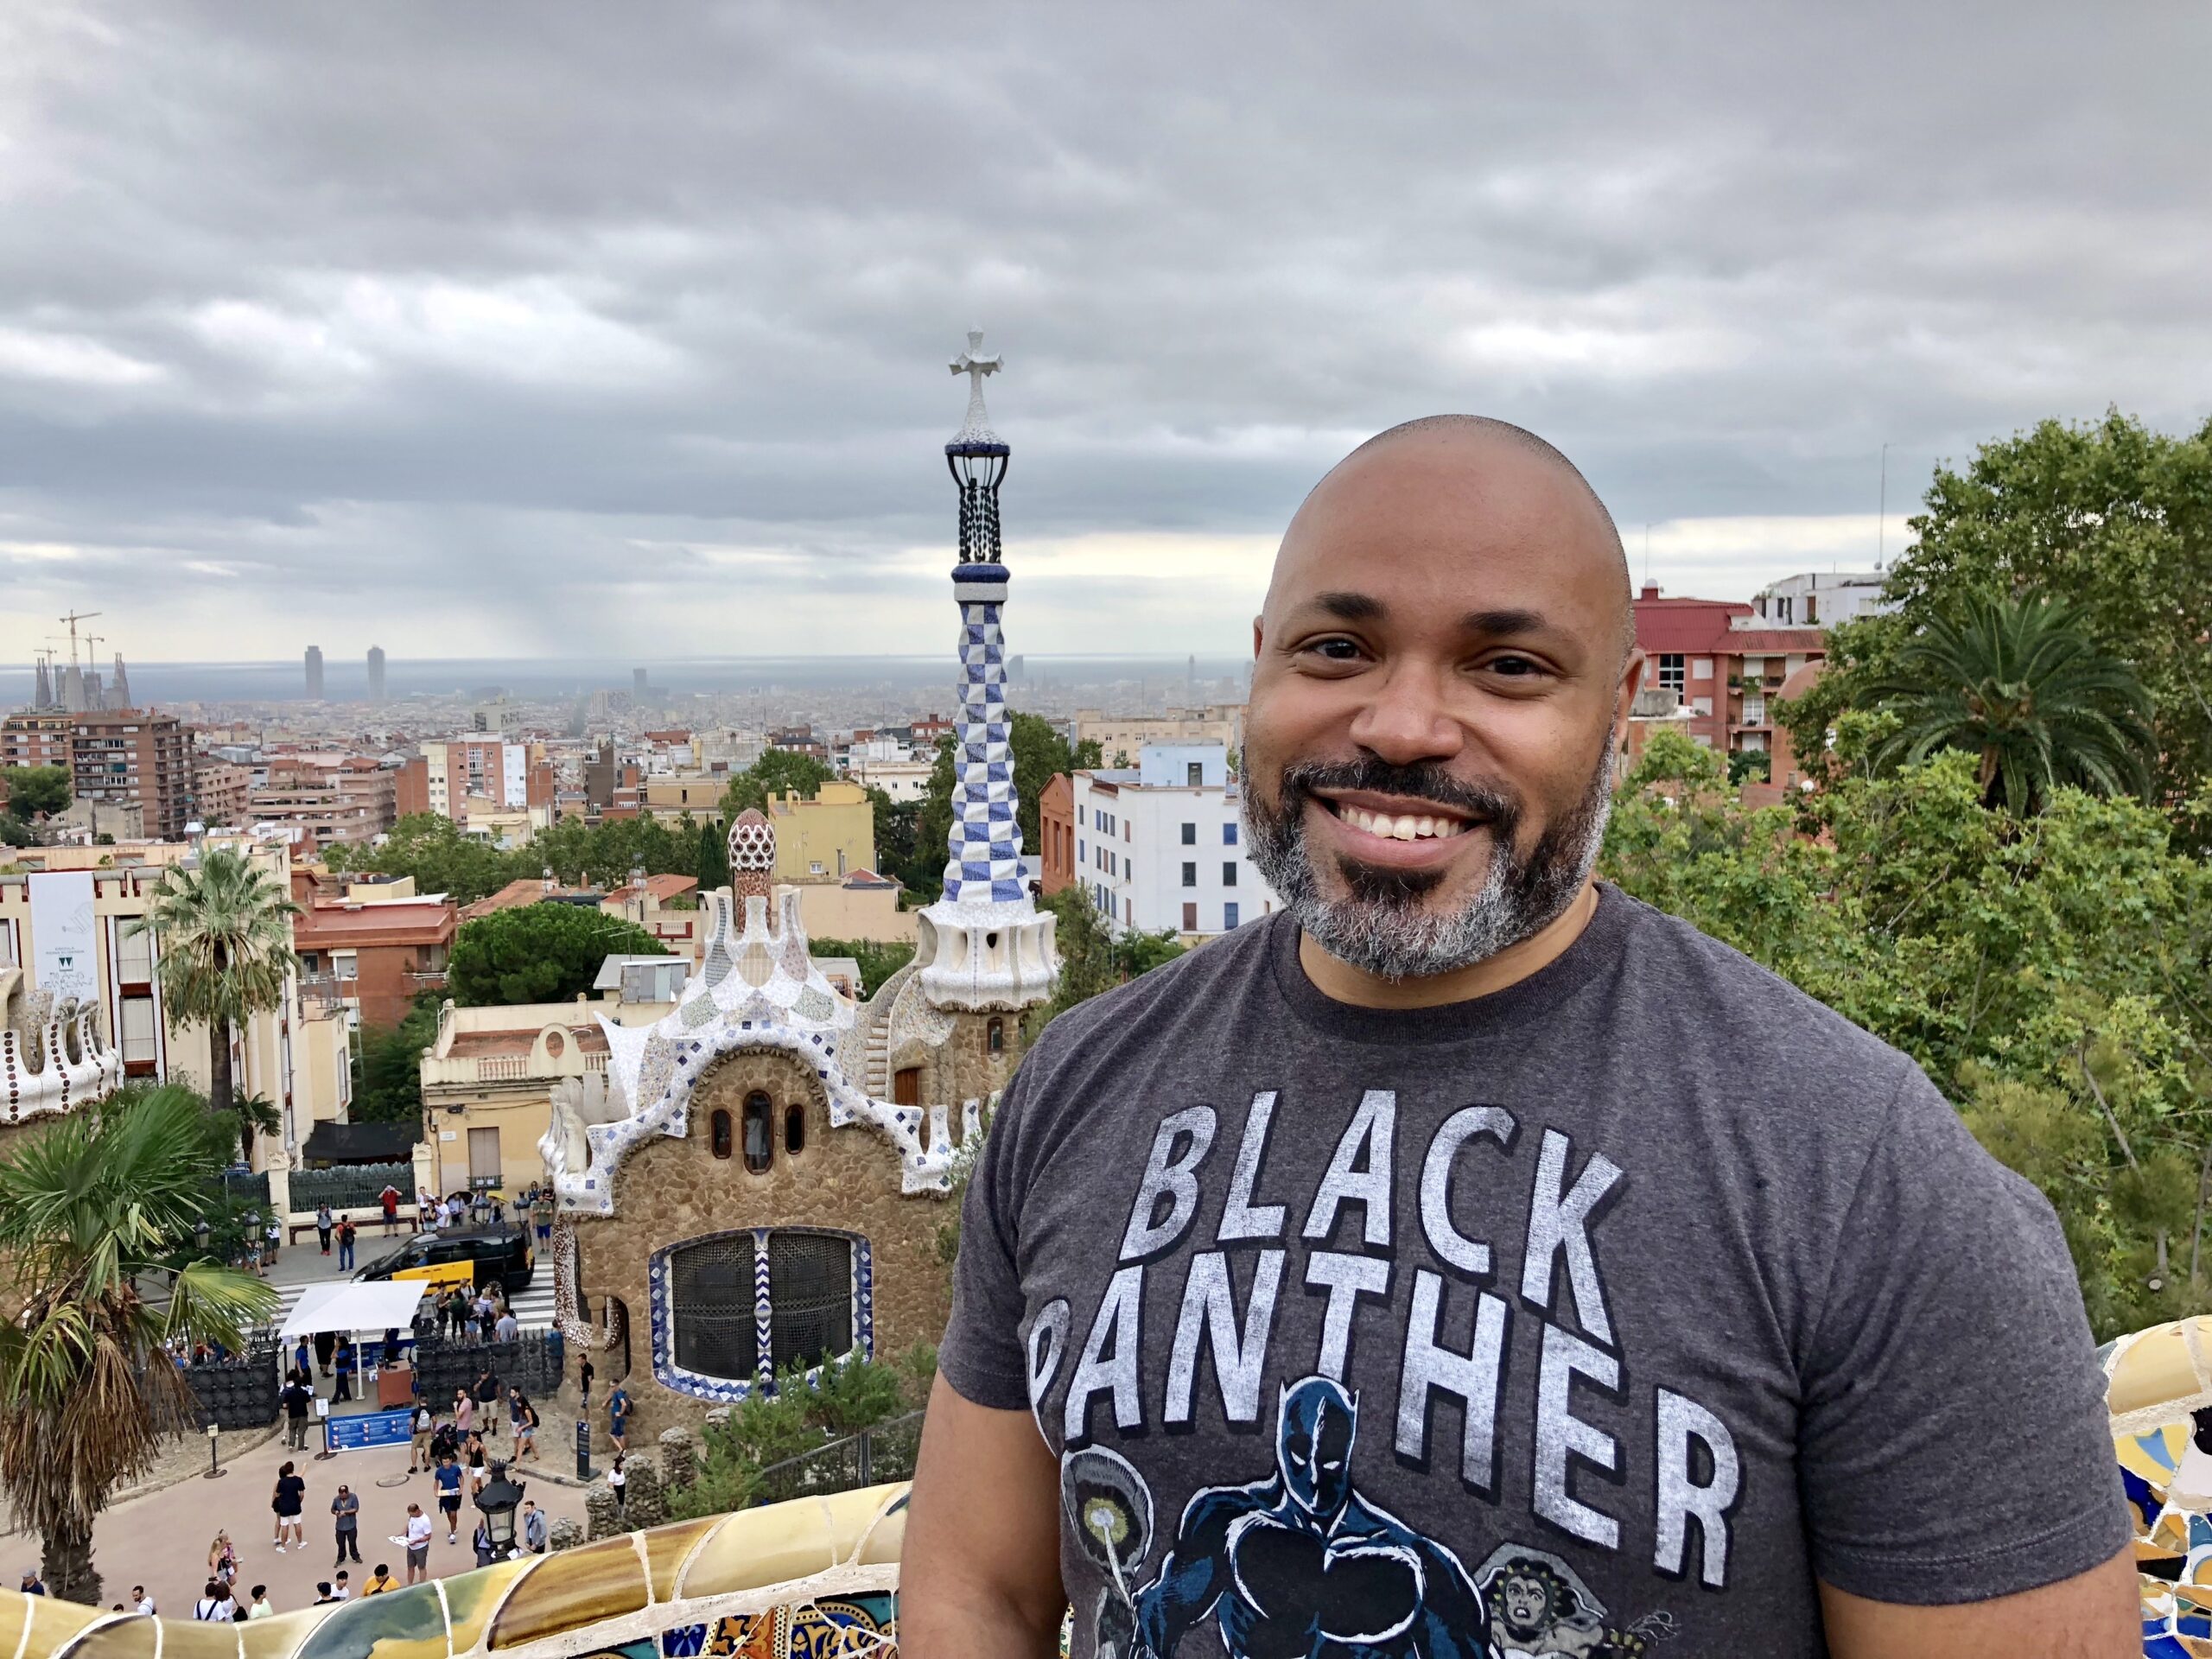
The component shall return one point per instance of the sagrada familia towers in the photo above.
(755, 1182)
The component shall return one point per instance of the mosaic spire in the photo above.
(984, 945)
(984, 860)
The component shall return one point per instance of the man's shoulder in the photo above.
(1709, 1007)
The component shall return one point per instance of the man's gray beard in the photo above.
(1395, 935)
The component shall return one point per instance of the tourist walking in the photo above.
(261, 1609)
(342, 1364)
(346, 1522)
(323, 1594)
(482, 1543)
(464, 1411)
(618, 1418)
(418, 1438)
(286, 1499)
(508, 1327)
(213, 1606)
(585, 1372)
(448, 1478)
(417, 1537)
(534, 1530)
(325, 1343)
(617, 1482)
(324, 1221)
(297, 1399)
(32, 1585)
(380, 1579)
(525, 1429)
(346, 1232)
(273, 1232)
(341, 1587)
(541, 1213)
(222, 1558)
(141, 1600)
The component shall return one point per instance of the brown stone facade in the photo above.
(847, 1179)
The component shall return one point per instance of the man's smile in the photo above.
(1400, 831)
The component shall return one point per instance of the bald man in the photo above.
(1466, 1259)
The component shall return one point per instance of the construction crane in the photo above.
(73, 619)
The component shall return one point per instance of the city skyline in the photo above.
(375, 367)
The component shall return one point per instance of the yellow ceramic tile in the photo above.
(755, 1547)
(185, 1638)
(2154, 1369)
(275, 1638)
(400, 1624)
(52, 1623)
(117, 1636)
(886, 1538)
(570, 1590)
(665, 1548)
(471, 1597)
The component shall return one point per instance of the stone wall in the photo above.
(668, 1190)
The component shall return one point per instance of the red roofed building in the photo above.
(1719, 660)
(374, 956)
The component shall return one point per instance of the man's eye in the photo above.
(1514, 667)
(1335, 650)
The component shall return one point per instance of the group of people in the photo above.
(329, 1226)
(484, 1315)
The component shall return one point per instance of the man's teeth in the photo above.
(1402, 828)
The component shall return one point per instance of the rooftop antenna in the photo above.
(1882, 518)
(1647, 552)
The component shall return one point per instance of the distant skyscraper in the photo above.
(638, 687)
(376, 673)
(315, 673)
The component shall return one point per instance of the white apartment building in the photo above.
(491, 769)
(1159, 847)
(1816, 599)
(901, 779)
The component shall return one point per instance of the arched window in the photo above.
(718, 1130)
(759, 1133)
(795, 1127)
(994, 1036)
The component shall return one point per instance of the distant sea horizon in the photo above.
(345, 679)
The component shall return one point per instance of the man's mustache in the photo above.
(1426, 782)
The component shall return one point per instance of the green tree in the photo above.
(712, 868)
(2020, 685)
(801, 1415)
(1092, 959)
(2112, 516)
(388, 1065)
(895, 824)
(1751, 766)
(779, 772)
(90, 1210)
(36, 791)
(223, 932)
(878, 959)
(924, 875)
(431, 847)
(538, 953)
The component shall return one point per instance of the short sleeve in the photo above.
(980, 1356)
(1953, 1444)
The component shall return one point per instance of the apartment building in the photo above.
(321, 799)
(824, 838)
(131, 754)
(37, 740)
(1821, 599)
(1159, 847)
(66, 926)
(446, 775)
(1719, 659)
(1123, 738)
(222, 793)
(370, 957)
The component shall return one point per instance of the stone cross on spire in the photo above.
(973, 364)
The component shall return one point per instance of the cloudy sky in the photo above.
(528, 329)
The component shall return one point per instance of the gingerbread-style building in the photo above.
(757, 1180)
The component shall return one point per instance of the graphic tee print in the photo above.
(1603, 1314)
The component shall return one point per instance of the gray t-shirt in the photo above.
(1615, 1307)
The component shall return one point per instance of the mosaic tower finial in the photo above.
(752, 855)
(984, 859)
(984, 945)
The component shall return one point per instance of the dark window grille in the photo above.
(718, 1128)
(809, 1298)
(710, 1297)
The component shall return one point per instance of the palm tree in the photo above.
(102, 1201)
(225, 931)
(2024, 684)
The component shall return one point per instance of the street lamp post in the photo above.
(499, 1500)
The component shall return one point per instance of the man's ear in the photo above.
(1259, 635)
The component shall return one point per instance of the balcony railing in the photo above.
(502, 1068)
(427, 979)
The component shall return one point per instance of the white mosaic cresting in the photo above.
(52, 1057)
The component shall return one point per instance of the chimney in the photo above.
(1650, 590)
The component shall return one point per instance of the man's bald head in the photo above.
(1484, 441)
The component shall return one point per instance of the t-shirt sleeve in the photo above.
(981, 1354)
(1952, 1444)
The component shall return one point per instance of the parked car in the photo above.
(499, 1257)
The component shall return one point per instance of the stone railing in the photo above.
(817, 1576)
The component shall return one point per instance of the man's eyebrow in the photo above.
(1504, 622)
(1351, 608)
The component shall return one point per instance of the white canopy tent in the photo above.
(366, 1305)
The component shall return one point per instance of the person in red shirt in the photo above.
(390, 1199)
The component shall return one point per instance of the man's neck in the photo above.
(1342, 982)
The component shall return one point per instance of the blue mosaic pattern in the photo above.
(983, 850)
(726, 1391)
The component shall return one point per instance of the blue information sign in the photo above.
(368, 1428)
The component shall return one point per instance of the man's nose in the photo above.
(1407, 720)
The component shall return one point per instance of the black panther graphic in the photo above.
(1299, 1566)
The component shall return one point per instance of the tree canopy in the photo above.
(779, 772)
(546, 952)
(2108, 516)
(443, 859)
(33, 790)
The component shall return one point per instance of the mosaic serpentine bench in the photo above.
(818, 1577)
(805, 1579)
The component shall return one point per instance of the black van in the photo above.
(469, 1256)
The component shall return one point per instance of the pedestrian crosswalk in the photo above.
(533, 1308)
